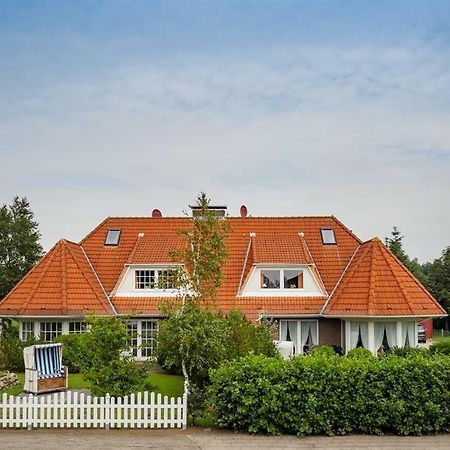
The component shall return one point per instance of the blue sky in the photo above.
(291, 107)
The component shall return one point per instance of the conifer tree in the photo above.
(19, 243)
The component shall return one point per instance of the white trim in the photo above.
(98, 280)
(339, 280)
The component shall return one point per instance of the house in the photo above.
(310, 275)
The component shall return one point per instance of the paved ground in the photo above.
(204, 439)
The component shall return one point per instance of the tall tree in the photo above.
(19, 243)
(439, 280)
(202, 257)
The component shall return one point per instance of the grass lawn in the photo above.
(170, 385)
(437, 336)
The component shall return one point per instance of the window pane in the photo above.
(144, 279)
(112, 237)
(76, 327)
(49, 330)
(328, 236)
(166, 279)
(149, 331)
(132, 332)
(270, 279)
(293, 279)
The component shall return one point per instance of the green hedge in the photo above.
(326, 394)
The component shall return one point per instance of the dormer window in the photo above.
(154, 279)
(112, 238)
(270, 279)
(281, 279)
(328, 236)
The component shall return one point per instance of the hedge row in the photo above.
(327, 394)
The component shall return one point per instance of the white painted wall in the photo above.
(310, 285)
(126, 287)
(400, 324)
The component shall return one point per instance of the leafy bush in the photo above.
(326, 350)
(102, 355)
(327, 394)
(205, 340)
(11, 347)
(361, 353)
(75, 355)
(245, 338)
(442, 347)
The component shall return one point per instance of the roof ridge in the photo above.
(397, 281)
(337, 285)
(371, 299)
(411, 275)
(64, 248)
(94, 230)
(245, 264)
(345, 228)
(82, 271)
(133, 250)
(98, 280)
(51, 256)
(316, 269)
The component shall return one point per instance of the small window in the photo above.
(328, 237)
(50, 330)
(144, 279)
(77, 327)
(270, 279)
(27, 330)
(112, 237)
(293, 279)
(166, 279)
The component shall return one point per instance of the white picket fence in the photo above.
(74, 410)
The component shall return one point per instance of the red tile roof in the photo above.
(285, 249)
(156, 248)
(61, 283)
(376, 283)
(252, 307)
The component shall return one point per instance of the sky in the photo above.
(114, 108)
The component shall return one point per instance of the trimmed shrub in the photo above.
(440, 347)
(327, 394)
(360, 353)
(75, 356)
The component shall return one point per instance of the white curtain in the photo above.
(409, 334)
(292, 327)
(379, 334)
(391, 334)
(309, 328)
(305, 332)
(313, 330)
(354, 334)
(283, 330)
(364, 330)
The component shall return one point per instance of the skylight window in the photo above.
(328, 237)
(112, 237)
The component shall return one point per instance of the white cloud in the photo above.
(361, 133)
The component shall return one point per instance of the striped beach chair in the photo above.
(44, 371)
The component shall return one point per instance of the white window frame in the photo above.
(297, 343)
(282, 287)
(137, 347)
(157, 274)
(78, 327)
(52, 333)
(27, 330)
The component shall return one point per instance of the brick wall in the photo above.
(329, 332)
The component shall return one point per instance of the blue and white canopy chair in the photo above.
(44, 371)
